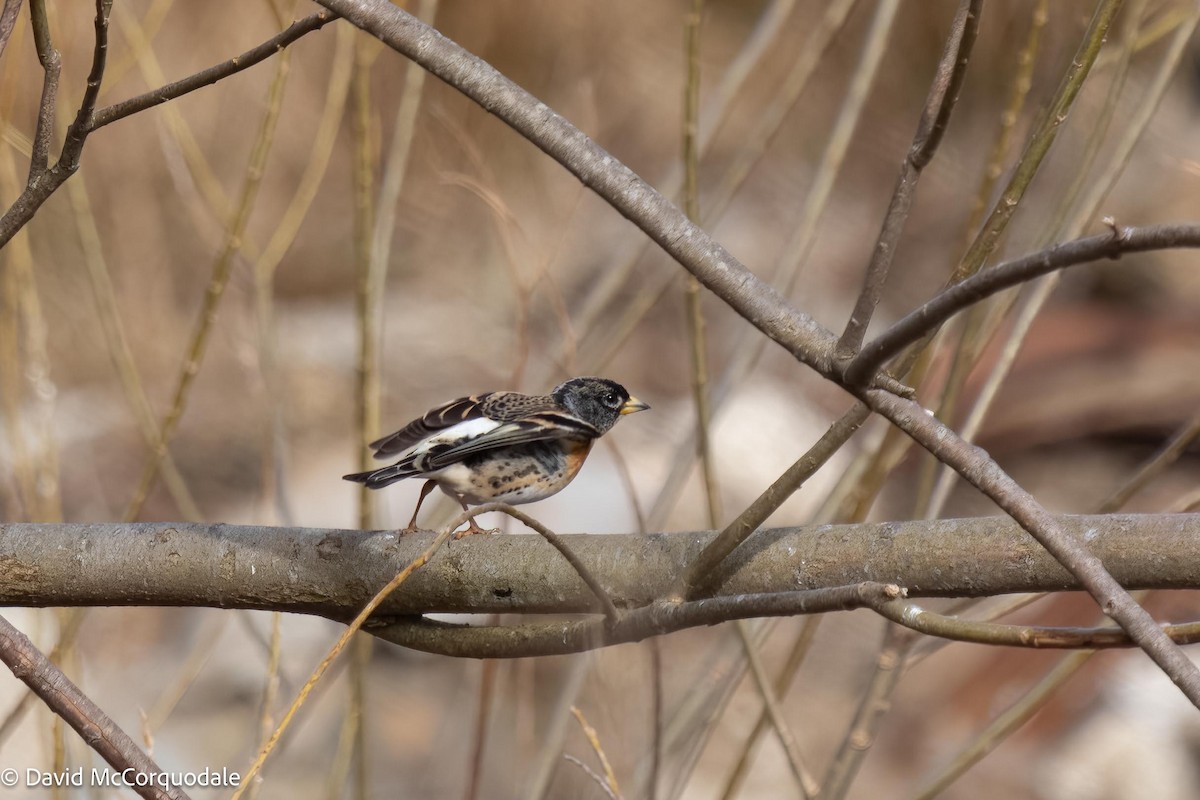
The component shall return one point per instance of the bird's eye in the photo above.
(611, 400)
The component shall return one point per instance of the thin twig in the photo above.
(487, 685)
(605, 602)
(783, 682)
(610, 777)
(591, 773)
(8, 21)
(982, 472)
(705, 565)
(913, 617)
(51, 62)
(65, 699)
(712, 264)
(875, 702)
(36, 194)
(935, 117)
(1012, 719)
(1040, 141)
(68, 160)
(805, 781)
(209, 76)
(338, 646)
(656, 718)
(221, 272)
(1113, 244)
(694, 311)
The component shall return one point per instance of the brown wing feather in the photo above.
(538, 426)
(500, 406)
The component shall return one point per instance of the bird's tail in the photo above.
(379, 478)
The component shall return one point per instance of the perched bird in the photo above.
(501, 446)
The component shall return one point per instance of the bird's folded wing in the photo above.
(538, 427)
(436, 420)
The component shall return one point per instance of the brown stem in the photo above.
(935, 117)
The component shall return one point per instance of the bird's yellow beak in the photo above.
(632, 406)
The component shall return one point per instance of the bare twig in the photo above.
(589, 733)
(51, 62)
(935, 117)
(783, 682)
(63, 697)
(702, 570)
(1012, 719)
(1169, 454)
(40, 190)
(694, 311)
(217, 72)
(805, 781)
(591, 773)
(559, 638)
(961, 295)
(222, 270)
(912, 616)
(714, 266)
(1040, 141)
(8, 21)
(875, 702)
(605, 602)
(352, 628)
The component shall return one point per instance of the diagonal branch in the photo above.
(560, 638)
(1079, 559)
(64, 698)
(8, 21)
(217, 72)
(714, 266)
(935, 117)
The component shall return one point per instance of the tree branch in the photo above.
(921, 620)
(44, 181)
(1078, 556)
(560, 638)
(51, 63)
(714, 266)
(1003, 276)
(935, 117)
(64, 698)
(333, 573)
(8, 21)
(207, 77)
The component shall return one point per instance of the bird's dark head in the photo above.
(597, 401)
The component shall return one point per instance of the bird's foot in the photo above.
(472, 529)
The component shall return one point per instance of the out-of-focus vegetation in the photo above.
(498, 261)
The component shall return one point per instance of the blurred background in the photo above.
(503, 273)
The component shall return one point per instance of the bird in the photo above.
(501, 446)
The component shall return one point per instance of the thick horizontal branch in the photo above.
(333, 573)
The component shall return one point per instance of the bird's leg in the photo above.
(425, 490)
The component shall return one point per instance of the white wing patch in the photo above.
(456, 434)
